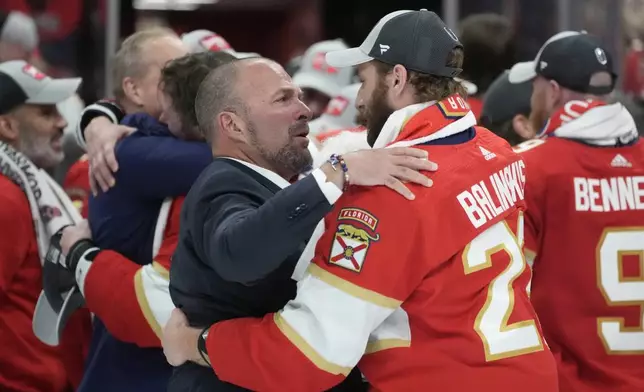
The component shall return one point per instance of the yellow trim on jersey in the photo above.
(353, 289)
(145, 305)
(386, 344)
(161, 270)
(306, 349)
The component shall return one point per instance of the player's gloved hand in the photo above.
(101, 136)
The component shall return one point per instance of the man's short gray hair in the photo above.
(129, 61)
(217, 94)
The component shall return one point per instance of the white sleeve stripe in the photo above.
(307, 350)
(153, 295)
(352, 289)
(103, 110)
(330, 326)
(530, 255)
(161, 270)
(394, 332)
(80, 139)
(162, 222)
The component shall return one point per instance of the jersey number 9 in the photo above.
(618, 290)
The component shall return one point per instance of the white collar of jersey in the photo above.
(399, 118)
(606, 125)
(269, 175)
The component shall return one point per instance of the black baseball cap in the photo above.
(418, 40)
(21, 82)
(504, 100)
(570, 58)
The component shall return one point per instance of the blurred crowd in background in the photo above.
(73, 37)
(72, 34)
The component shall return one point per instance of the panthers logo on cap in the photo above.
(337, 106)
(214, 43)
(33, 72)
(320, 64)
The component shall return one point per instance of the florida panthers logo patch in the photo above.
(351, 243)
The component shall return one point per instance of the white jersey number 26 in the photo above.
(500, 339)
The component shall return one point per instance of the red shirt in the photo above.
(26, 364)
(76, 184)
(585, 224)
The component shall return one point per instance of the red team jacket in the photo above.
(424, 294)
(585, 225)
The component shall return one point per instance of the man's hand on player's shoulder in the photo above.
(101, 136)
(391, 167)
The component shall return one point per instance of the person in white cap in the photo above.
(339, 113)
(318, 80)
(584, 232)
(18, 36)
(337, 129)
(32, 208)
(427, 294)
(205, 40)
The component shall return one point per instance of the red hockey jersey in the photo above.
(585, 226)
(424, 294)
(142, 292)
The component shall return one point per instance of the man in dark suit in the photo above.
(243, 226)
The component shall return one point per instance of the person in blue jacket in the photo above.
(155, 164)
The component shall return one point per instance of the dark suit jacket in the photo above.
(241, 236)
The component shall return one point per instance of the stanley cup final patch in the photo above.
(351, 241)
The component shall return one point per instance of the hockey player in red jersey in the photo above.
(585, 218)
(423, 294)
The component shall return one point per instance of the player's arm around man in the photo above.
(107, 278)
(321, 340)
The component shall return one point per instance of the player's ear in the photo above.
(554, 93)
(399, 76)
(522, 127)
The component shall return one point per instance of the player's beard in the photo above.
(375, 113)
(290, 159)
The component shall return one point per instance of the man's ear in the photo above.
(399, 77)
(232, 125)
(131, 91)
(522, 127)
(8, 128)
